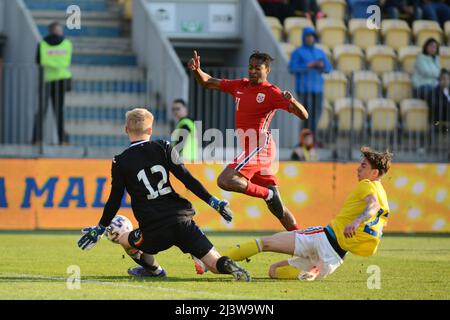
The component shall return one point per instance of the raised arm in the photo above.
(295, 107)
(372, 207)
(204, 79)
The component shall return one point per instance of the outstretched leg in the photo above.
(148, 264)
(282, 242)
(224, 265)
(232, 180)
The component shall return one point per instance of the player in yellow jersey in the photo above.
(357, 228)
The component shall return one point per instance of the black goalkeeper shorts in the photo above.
(185, 235)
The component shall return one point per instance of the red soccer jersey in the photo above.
(255, 104)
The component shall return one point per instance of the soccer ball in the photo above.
(119, 225)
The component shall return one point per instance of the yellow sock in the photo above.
(287, 272)
(242, 251)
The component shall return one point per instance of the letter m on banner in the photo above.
(31, 187)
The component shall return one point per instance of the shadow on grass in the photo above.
(124, 279)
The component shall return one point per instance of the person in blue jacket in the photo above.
(308, 63)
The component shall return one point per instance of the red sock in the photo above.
(254, 190)
(294, 227)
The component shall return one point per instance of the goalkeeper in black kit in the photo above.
(164, 217)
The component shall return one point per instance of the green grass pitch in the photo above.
(34, 265)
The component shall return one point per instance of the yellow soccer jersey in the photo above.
(367, 237)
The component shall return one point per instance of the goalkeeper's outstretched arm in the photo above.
(177, 167)
(115, 196)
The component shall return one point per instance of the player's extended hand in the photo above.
(194, 63)
(221, 207)
(350, 230)
(287, 95)
(91, 235)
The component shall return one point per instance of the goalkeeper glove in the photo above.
(222, 207)
(91, 235)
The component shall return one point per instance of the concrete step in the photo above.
(85, 5)
(119, 43)
(104, 100)
(94, 113)
(61, 15)
(88, 28)
(107, 73)
(105, 60)
(107, 128)
(80, 86)
(103, 142)
(106, 51)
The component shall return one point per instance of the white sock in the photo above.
(157, 271)
(270, 196)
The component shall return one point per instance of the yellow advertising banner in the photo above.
(71, 194)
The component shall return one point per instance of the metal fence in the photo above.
(95, 105)
(360, 108)
(80, 117)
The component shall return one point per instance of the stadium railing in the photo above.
(416, 130)
(167, 79)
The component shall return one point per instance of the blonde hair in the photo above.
(138, 121)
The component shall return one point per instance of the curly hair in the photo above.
(378, 160)
(265, 58)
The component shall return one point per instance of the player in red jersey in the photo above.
(256, 103)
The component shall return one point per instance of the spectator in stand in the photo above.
(358, 8)
(184, 137)
(54, 56)
(410, 8)
(276, 8)
(308, 63)
(306, 149)
(439, 103)
(307, 8)
(436, 10)
(426, 69)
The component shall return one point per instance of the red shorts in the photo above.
(255, 164)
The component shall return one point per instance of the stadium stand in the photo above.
(348, 58)
(331, 31)
(106, 79)
(335, 86)
(407, 57)
(396, 33)
(344, 107)
(397, 86)
(361, 35)
(287, 49)
(447, 32)
(425, 29)
(276, 27)
(371, 65)
(414, 113)
(326, 117)
(444, 55)
(293, 27)
(383, 114)
(381, 59)
(333, 8)
(325, 49)
(366, 85)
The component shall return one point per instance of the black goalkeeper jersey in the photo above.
(144, 171)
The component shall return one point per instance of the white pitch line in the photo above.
(126, 285)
